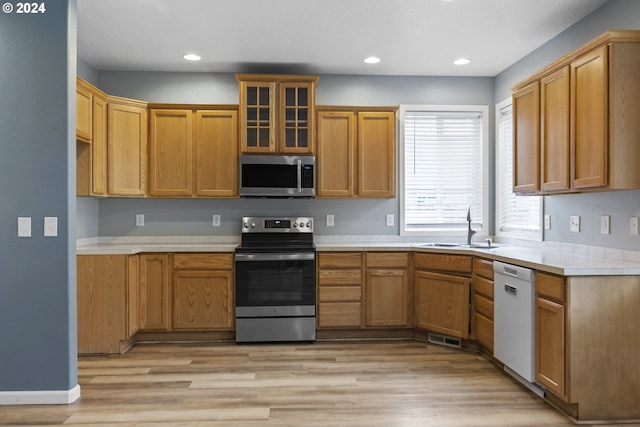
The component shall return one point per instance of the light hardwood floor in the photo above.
(393, 383)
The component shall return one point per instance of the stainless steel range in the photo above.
(276, 280)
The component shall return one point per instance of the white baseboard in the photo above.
(46, 397)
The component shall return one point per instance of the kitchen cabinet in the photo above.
(106, 301)
(580, 112)
(193, 152)
(126, 147)
(277, 113)
(482, 322)
(155, 292)
(91, 140)
(203, 290)
(356, 152)
(550, 354)
(442, 293)
(387, 289)
(339, 290)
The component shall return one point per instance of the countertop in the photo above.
(560, 262)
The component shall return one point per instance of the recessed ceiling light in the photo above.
(462, 61)
(192, 57)
(372, 60)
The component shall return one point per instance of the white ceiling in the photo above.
(413, 37)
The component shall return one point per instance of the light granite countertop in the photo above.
(555, 261)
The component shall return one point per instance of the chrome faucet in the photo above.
(470, 231)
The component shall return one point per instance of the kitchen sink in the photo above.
(483, 245)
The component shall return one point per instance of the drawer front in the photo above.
(340, 260)
(339, 293)
(339, 277)
(483, 286)
(484, 306)
(203, 261)
(339, 315)
(483, 267)
(387, 259)
(550, 286)
(443, 262)
(484, 331)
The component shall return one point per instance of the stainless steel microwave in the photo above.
(264, 175)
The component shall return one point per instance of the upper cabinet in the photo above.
(575, 123)
(277, 113)
(193, 152)
(356, 152)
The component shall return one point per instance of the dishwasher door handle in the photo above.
(510, 289)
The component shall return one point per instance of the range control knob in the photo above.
(245, 225)
(308, 225)
(295, 225)
(253, 225)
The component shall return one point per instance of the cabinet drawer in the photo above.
(387, 259)
(339, 314)
(203, 261)
(484, 306)
(550, 286)
(484, 331)
(483, 267)
(443, 262)
(339, 293)
(340, 260)
(483, 286)
(340, 277)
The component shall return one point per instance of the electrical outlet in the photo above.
(574, 223)
(330, 220)
(24, 226)
(547, 222)
(139, 220)
(216, 221)
(605, 224)
(634, 225)
(390, 220)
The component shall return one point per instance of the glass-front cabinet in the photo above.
(277, 113)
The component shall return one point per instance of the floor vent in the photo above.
(445, 340)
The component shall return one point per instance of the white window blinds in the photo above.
(443, 169)
(516, 216)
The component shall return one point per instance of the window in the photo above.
(444, 171)
(516, 216)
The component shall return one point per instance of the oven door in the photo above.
(275, 284)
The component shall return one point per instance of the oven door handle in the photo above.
(304, 256)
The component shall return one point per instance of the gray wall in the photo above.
(193, 217)
(38, 345)
(615, 14)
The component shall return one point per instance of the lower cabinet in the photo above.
(442, 301)
(107, 288)
(387, 289)
(155, 295)
(339, 290)
(482, 321)
(203, 292)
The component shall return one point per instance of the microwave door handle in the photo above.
(299, 174)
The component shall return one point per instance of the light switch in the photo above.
(51, 226)
(390, 220)
(216, 221)
(547, 222)
(139, 220)
(24, 226)
(605, 221)
(330, 220)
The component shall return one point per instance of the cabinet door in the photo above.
(550, 346)
(554, 138)
(99, 147)
(203, 299)
(442, 303)
(387, 297)
(376, 154)
(127, 150)
(257, 117)
(170, 153)
(336, 154)
(526, 139)
(216, 153)
(84, 112)
(101, 297)
(133, 296)
(296, 117)
(155, 299)
(589, 104)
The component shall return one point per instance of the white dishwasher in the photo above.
(514, 327)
